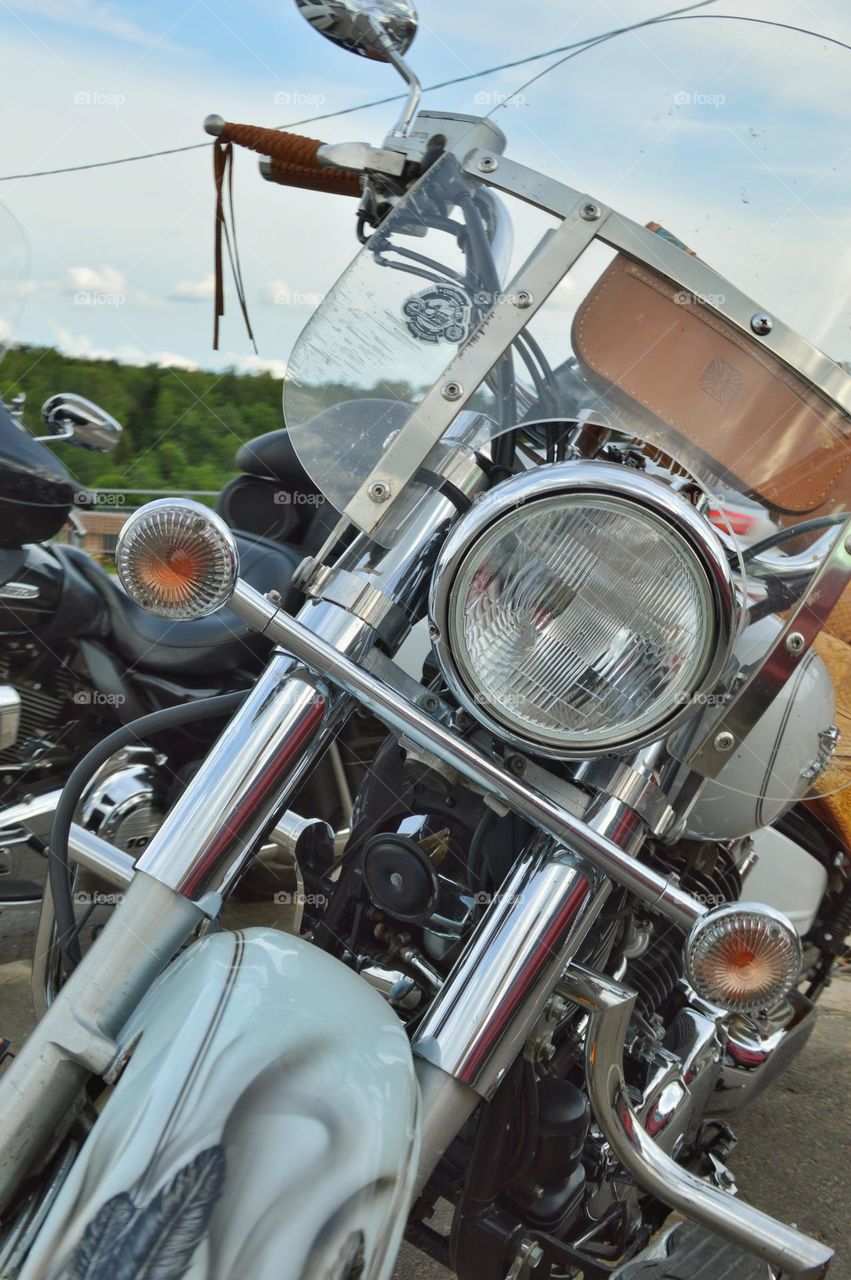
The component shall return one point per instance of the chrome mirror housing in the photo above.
(73, 418)
(370, 28)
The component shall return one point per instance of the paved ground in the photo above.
(794, 1158)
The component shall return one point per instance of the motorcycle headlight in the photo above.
(581, 608)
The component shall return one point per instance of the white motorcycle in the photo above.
(545, 968)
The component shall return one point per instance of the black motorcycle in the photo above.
(78, 657)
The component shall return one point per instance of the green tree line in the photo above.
(181, 429)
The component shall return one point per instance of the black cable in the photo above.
(59, 869)
(474, 855)
(589, 41)
(793, 531)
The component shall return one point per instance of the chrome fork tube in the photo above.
(246, 781)
(486, 1010)
(478, 1023)
(610, 1006)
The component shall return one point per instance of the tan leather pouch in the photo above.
(669, 355)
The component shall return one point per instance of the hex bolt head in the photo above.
(795, 642)
(488, 164)
(522, 300)
(452, 391)
(379, 491)
(590, 211)
(762, 324)
(724, 741)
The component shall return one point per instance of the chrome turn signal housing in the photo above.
(177, 559)
(743, 957)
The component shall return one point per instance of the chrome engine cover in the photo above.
(124, 804)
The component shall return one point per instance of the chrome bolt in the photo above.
(434, 632)
(848, 545)
(724, 741)
(379, 491)
(452, 391)
(590, 211)
(762, 324)
(795, 642)
(522, 300)
(488, 164)
(517, 764)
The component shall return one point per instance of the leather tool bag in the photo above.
(667, 363)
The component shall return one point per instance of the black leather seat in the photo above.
(272, 456)
(207, 646)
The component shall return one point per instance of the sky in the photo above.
(735, 136)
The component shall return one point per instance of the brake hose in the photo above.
(59, 866)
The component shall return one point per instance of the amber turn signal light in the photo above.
(177, 559)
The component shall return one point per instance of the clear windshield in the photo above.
(731, 134)
(636, 340)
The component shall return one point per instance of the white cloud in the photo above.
(258, 364)
(195, 290)
(5, 330)
(170, 360)
(92, 15)
(96, 279)
(81, 345)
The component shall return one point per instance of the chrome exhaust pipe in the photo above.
(610, 1007)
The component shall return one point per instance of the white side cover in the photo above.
(264, 1128)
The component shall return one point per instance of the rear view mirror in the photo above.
(79, 421)
(366, 27)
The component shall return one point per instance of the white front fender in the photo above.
(265, 1126)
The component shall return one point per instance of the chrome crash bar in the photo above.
(610, 1006)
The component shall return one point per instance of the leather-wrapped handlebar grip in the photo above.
(293, 158)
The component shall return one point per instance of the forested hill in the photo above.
(180, 428)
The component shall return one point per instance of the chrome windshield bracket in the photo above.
(712, 750)
(459, 381)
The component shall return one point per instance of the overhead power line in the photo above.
(570, 50)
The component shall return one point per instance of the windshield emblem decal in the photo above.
(438, 314)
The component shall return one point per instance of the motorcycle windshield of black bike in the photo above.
(494, 298)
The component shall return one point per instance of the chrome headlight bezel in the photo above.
(596, 479)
